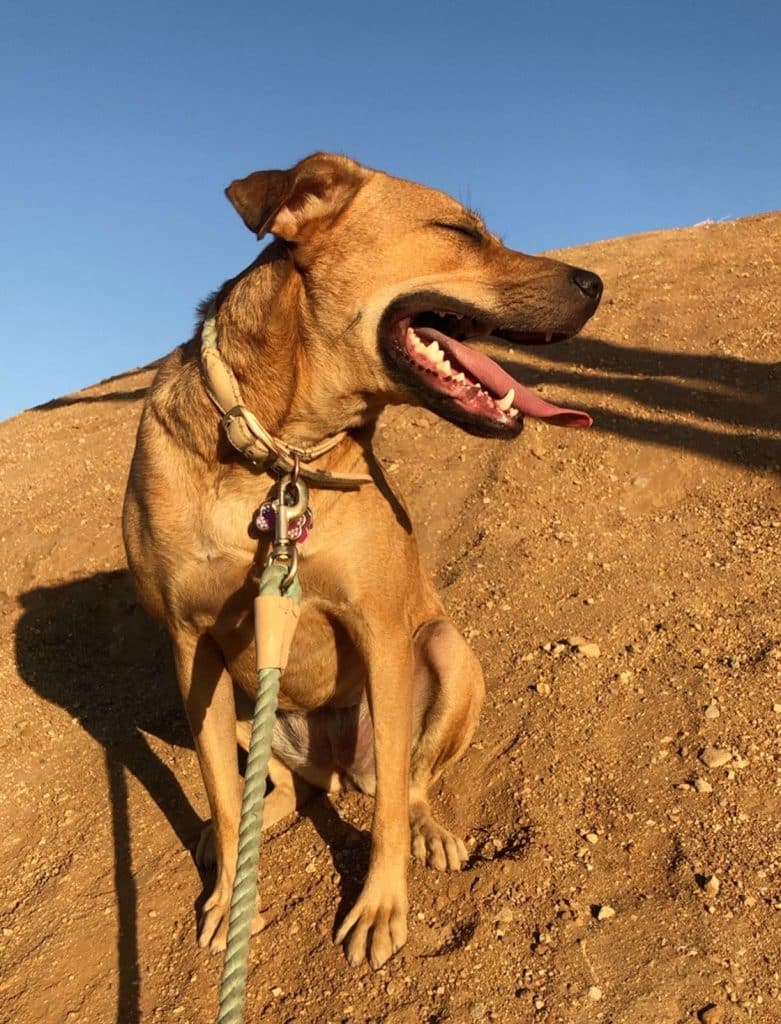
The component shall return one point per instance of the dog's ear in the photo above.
(288, 202)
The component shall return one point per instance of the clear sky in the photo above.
(561, 122)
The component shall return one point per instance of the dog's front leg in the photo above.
(377, 924)
(207, 691)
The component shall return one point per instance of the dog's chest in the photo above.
(324, 667)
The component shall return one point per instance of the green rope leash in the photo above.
(279, 579)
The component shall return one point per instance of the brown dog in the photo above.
(365, 298)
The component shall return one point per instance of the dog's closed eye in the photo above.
(462, 229)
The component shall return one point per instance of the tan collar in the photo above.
(245, 433)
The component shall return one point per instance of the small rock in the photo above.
(588, 601)
(640, 481)
(595, 993)
(276, 991)
(703, 786)
(591, 837)
(712, 711)
(711, 1014)
(588, 650)
(604, 913)
(544, 689)
(575, 641)
(712, 757)
(711, 885)
(625, 676)
(777, 708)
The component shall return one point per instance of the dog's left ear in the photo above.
(287, 203)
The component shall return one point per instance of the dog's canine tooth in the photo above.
(506, 403)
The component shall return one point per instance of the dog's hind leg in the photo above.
(448, 694)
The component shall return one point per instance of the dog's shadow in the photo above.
(349, 848)
(88, 647)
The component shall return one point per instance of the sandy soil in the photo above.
(596, 828)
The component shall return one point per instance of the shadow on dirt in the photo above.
(349, 847)
(79, 397)
(114, 396)
(724, 390)
(88, 647)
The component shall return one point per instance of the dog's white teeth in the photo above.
(434, 352)
(415, 342)
(506, 402)
(549, 336)
(460, 378)
(445, 367)
(513, 414)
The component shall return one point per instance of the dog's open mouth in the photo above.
(433, 350)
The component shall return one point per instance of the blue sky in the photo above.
(560, 122)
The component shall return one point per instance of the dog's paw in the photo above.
(206, 850)
(435, 846)
(213, 929)
(376, 927)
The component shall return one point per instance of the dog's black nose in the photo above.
(589, 283)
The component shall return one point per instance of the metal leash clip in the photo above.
(288, 509)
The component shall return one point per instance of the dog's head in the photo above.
(398, 281)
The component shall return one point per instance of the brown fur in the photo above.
(374, 646)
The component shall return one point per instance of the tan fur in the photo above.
(299, 329)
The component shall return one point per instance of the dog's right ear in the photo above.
(288, 203)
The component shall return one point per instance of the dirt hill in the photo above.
(614, 876)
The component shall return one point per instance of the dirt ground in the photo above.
(615, 877)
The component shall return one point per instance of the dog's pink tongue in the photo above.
(492, 376)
